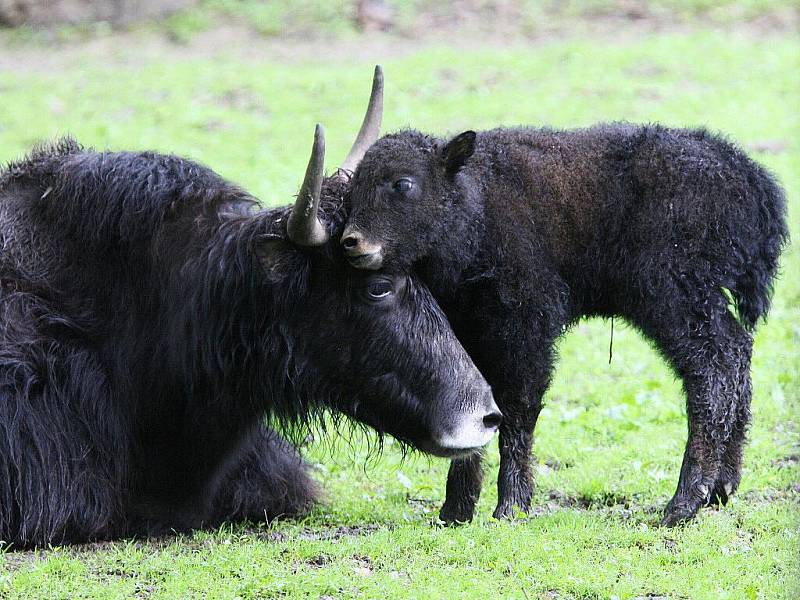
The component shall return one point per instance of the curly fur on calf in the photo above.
(521, 232)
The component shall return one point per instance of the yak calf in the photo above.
(520, 232)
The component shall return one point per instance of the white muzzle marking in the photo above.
(469, 433)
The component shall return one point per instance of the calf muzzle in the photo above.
(361, 253)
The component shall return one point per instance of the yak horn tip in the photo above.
(319, 137)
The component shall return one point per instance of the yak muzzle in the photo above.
(361, 253)
(472, 429)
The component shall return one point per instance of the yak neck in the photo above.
(241, 344)
(459, 257)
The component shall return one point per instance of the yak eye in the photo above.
(379, 288)
(403, 185)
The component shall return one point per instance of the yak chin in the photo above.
(371, 262)
(469, 435)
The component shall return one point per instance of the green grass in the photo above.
(610, 439)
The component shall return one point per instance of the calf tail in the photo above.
(752, 287)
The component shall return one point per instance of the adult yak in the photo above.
(150, 317)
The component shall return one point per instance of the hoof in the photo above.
(456, 515)
(723, 490)
(680, 511)
(511, 511)
(675, 518)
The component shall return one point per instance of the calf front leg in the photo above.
(514, 484)
(516, 354)
(464, 482)
(515, 481)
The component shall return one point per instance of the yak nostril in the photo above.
(492, 420)
(350, 242)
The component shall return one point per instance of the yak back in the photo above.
(150, 260)
(612, 205)
(86, 229)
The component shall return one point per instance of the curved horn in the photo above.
(304, 227)
(370, 127)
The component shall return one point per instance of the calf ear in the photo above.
(457, 151)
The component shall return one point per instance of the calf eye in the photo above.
(403, 185)
(379, 288)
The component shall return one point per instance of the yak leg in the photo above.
(710, 351)
(519, 381)
(515, 481)
(514, 350)
(464, 480)
(735, 376)
(520, 410)
(263, 478)
(717, 385)
(516, 357)
(266, 479)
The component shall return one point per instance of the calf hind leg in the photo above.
(731, 468)
(711, 353)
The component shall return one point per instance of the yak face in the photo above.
(406, 199)
(376, 346)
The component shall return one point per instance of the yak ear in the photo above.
(276, 256)
(457, 151)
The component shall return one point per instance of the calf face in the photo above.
(402, 201)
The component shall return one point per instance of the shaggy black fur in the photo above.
(520, 232)
(150, 318)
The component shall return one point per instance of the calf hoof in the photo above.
(456, 514)
(508, 511)
(681, 510)
(673, 518)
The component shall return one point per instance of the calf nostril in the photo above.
(350, 242)
(492, 420)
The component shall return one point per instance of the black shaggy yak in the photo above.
(150, 317)
(520, 232)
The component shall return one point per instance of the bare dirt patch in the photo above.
(337, 533)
